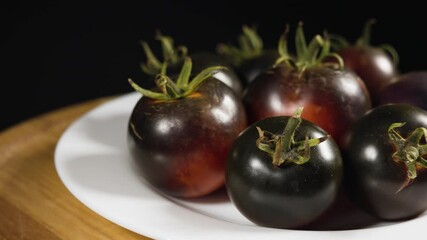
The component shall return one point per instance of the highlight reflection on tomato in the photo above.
(285, 186)
(332, 97)
(385, 162)
(181, 136)
(377, 66)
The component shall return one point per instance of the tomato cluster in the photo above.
(285, 133)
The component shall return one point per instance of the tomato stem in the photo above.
(338, 42)
(250, 45)
(201, 77)
(184, 76)
(167, 86)
(284, 56)
(183, 87)
(291, 126)
(283, 148)
(168, 49)
(410, 151)
(365, 38)
(307, 56)
(153, 64)
(300, 43)
(147, 93)
(170, 53)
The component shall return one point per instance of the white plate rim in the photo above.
(179, 221)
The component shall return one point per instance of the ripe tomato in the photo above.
(283, 178)
(409, 88)
(332, 97)
(180, 136)
(385, 162)
(373, 64)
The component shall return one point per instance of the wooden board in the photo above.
(34, 204)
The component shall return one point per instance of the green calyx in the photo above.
(169, 90)
(339, 42)
(250, 45)
(410, 151)
(171, 54)
(283, 148)
(364, 40)
(309, 55)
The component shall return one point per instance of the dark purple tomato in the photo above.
(181, 143)
(384, 162)
(410, 88)
(287, 195)
(332, 98)
(373, 65)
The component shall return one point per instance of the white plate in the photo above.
(92, 160)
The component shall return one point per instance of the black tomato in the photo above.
(181, 136)
(384, 162)
(175, 56)
(249, 58)
(332, 97)
(374, 65)
(292, 180)
(409, 88)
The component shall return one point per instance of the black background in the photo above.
(54, 54)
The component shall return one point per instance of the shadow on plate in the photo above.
(343, 215)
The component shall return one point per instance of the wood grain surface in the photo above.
(34, 204)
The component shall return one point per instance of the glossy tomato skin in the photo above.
(372, 64)
(181, 145)
(287, 196)
(228, 76)
(409, 88)
(332, 99)
(372, 177)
